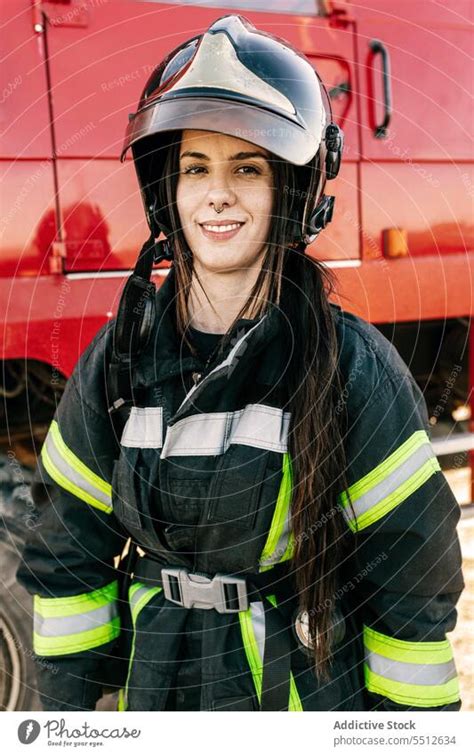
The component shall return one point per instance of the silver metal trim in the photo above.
(454, 444)
(337, 264)
(111, 274)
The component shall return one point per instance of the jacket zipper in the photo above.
(201, 377)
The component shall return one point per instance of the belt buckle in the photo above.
(196, 590)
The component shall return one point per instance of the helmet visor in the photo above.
(263, 128)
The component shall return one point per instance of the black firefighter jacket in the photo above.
(203, 481)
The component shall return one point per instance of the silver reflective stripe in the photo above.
(261, 426)
(390, 483)
(211, 434)
(257, 613)
(137, 595)
(72, 475)
(199, 435)
(429, 674)
(144, 428)
(59, 626)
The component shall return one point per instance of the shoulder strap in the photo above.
(132, 330)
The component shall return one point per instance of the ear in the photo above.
(319, 218)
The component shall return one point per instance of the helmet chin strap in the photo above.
(152, 252)
(163, 251)
(135, 315)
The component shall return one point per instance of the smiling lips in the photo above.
(222, 230)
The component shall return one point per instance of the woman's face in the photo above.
(219, 171)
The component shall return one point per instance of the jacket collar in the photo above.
(166, 357)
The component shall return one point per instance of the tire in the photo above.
(17, 668)
(18, 514)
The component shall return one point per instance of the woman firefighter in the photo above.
(265, 450)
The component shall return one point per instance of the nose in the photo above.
(220, 193)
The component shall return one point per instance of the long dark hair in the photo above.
(316, 427)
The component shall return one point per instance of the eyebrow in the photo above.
(238, 156)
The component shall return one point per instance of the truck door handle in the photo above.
(60, 13)
(378, 48)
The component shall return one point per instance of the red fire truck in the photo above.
(71, 220)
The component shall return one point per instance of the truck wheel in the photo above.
(17, 668)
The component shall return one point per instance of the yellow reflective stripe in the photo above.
(289, 548)
(281, 508)
(75, 604)
(422, 674)
(251, 650)
(418, 695)
(409, 652)
(59, 476)
(74, 643)
(390, 483)
(122, 703)
(76, 463)
(280, 521)
(402, 493)
(134, 587)
(295, 701)
(56, 475)
(403, 452)
(255, 661)
(57, 618)
(135, 610)
(144, 599)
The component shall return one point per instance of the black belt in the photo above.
(231, 594)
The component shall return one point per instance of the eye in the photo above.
(250, 168)
(191, 170)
